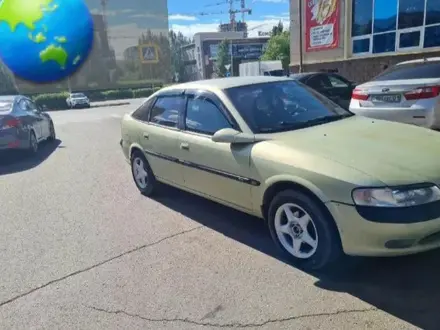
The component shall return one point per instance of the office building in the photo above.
(358, 38)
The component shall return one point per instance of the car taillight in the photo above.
(10, 123)
(359, 94)
(423, 93)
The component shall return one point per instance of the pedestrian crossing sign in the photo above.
(149, 53)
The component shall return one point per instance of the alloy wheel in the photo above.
(296, 231)
(140, 173)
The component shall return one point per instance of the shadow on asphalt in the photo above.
(406, 287)
(14, 162)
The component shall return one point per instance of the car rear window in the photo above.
(425, 70)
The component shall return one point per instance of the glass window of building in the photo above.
(382, 26)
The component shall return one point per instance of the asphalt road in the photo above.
(80, 248)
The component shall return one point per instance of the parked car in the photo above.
(408, 92)
(78, 100)
(326, 181)
(330, 84)
(23, 124)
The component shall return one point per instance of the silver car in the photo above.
(23, 124)
(408, 92)
(78, 100)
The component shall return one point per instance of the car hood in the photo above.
(391, 152)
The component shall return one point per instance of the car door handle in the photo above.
(146, 136)
(184, 146)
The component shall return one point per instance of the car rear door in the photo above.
(217, 170)
(341, 90)
(159, 136)
(30, 118)
(44, 120)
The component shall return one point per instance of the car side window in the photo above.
(143, 112)
(24, 105)
(32, 106)
(203, 116)
(319, 82)
(337, 82)
(166, 110)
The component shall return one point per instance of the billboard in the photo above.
(322, 24)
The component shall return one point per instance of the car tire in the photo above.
(53, 135)
(142, 174)
(33, 144)
(309, 238)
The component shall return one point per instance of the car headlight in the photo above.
(396, 196)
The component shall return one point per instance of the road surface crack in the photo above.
(136, 249)
(234, 324)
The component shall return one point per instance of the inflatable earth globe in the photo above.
(44, 40)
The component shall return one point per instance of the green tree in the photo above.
(178, 57)
(278, 48)
(222, 59)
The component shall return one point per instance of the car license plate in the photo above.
(390, 98)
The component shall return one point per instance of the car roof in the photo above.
(225, 83)
(421, 60)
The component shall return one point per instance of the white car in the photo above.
(408, 92)
(78, 100)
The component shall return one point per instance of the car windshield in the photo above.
(282, 106)
(420, 70)
(77, 95)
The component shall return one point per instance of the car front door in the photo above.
(218, 170)
(159, 137)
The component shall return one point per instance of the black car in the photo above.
(23, 124)
(332, 85)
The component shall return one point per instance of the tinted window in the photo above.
(432, 12)
(385, 15)
(337, 81)
(142, 113)
(361, 46)
(24, 105)
(362, 17)
(318, 82)
(411, 13)
(411, 71)
(383, 43)
(279, 106)
(203, 116)
(409, 39)
(432, 37)
(76, 95)
(166, 110)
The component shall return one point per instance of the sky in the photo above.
(186, 18)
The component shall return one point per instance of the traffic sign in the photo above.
(227, 66)
(149, 53)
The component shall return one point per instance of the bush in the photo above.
(118, 94)
(54, 101)
(142, 92)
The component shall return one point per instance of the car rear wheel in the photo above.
(52, 136)
(142, 174)
(33, 144)
(303, 232)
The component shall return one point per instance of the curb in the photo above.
(94, 106)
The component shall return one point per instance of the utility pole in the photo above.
(300, 36)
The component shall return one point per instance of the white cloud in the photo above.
(264, 25)
(178, 17)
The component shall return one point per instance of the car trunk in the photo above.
(397, 93)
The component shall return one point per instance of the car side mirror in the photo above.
(229, 135)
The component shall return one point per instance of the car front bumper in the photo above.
(361, 237)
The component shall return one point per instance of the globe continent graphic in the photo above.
(44, 41)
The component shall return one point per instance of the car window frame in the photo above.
(318, 76)
(213, 98)
(149, 104)
(174, 93)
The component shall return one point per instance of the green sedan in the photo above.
(327, 182)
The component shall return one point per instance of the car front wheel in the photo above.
(304, 233)
(142, 174)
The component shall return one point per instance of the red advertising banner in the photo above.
(322, 24)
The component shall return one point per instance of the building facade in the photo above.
(130, 50)
(200, 56)
(358, 38)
